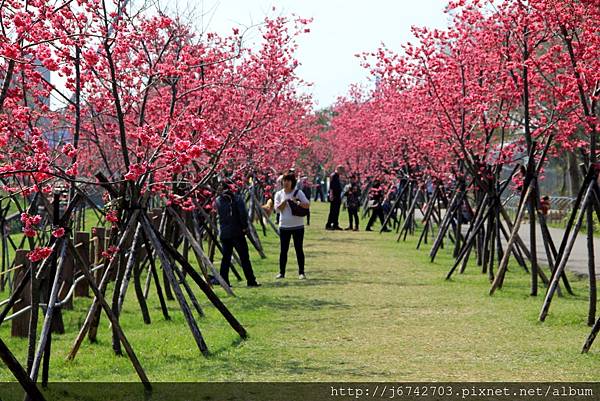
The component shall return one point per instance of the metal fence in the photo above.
(560, 206)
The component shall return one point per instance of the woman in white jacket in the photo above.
(290, 226)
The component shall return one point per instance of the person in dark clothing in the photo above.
(318, 184)
(376, 196)
(388, 204)
(335, 197)
(353, 204)
(233, 226)
(306, 188)
(466, 212)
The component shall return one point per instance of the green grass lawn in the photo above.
(372, 309)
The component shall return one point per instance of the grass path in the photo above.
(372, 309)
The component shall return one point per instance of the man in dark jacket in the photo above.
(233, 226)
(335, 197)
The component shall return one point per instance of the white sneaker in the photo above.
(279, 276)
(302, 277)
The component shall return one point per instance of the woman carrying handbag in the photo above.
(292, 205)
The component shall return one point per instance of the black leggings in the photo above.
(353, 216)
(285, 235)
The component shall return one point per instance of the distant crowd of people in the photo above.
(379, 201)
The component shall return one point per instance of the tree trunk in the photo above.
(574, 174)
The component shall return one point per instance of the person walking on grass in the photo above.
(233, 227)
(388, 204)
(290, 202)
(353, 203)
(376, 205)
(335, 197)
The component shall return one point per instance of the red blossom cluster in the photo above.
(110, 252)
(147, 99)
(30, 224)
(58, 233)
(112, 217)
(150, 104)
(39, 253)
(502, 81)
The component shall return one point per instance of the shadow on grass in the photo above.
(300, 368)
(287, 303)
(292, 281)
(236, 343)
(338, 239)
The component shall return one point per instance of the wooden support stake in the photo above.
(82, 239)
(20, 324)
(199, 252)
(106, 277)
(168, 269)
(513, 237)
(19, 373)
(153, 271)
(45, 334)
(115, 323)
(564, 256)
(206, 289)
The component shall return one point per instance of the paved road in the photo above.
(578, 261)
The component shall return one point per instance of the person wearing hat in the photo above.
(233, 227)
(335, 199)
